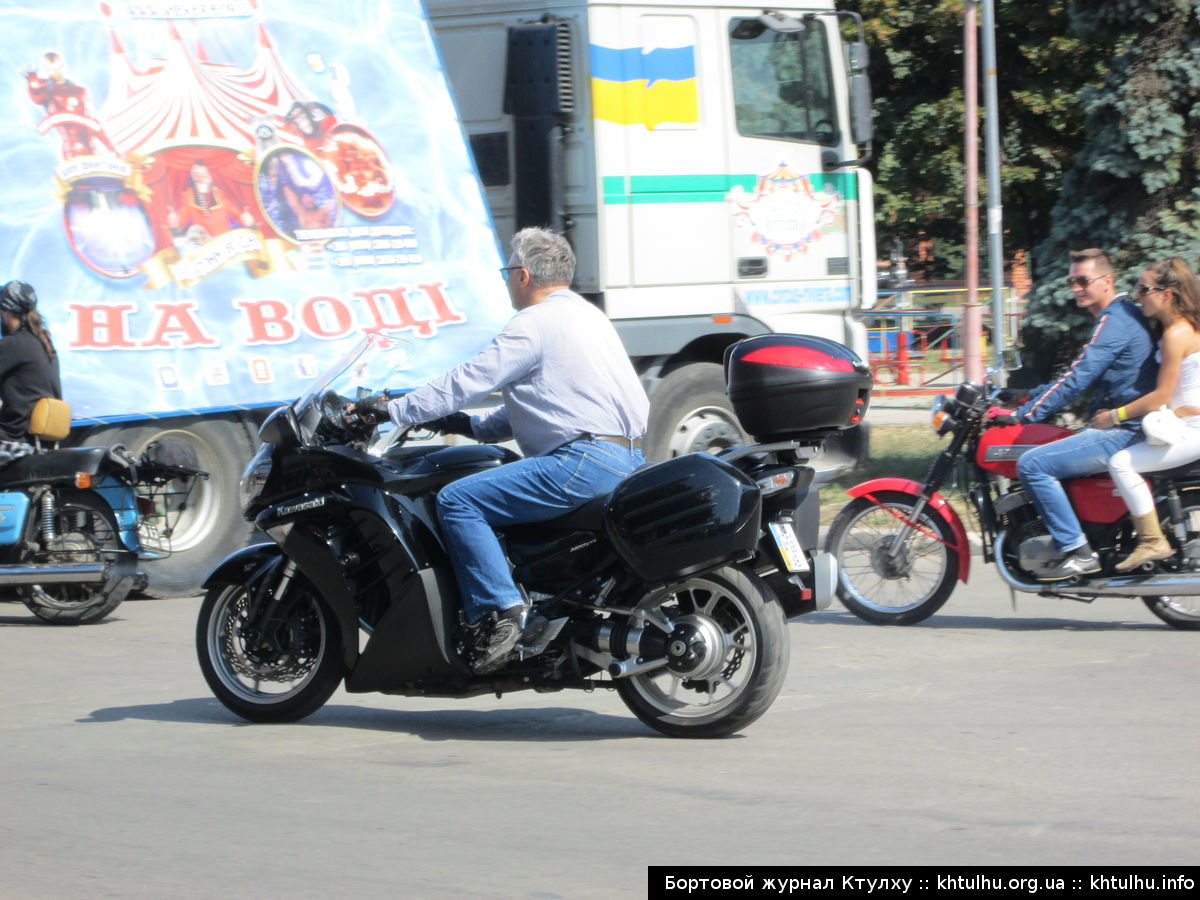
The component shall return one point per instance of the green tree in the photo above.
(916, 75)
(1132, 189)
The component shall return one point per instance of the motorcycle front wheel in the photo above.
(85, 533)
(888, 589)
(279, 668)
(730, 662)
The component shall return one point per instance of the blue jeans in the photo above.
(1043, 469)
(529, 490)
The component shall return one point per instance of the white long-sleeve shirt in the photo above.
(562, 371)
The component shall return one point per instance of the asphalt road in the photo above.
(1058, 733)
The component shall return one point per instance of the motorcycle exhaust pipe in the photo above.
(1173, 584)
(642, 649)
(88, 574)
(1178, 584)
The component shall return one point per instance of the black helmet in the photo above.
(18, 297)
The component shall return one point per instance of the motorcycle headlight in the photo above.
(254, 478)
(968, 393)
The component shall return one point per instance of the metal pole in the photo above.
(972, 315)
(995, 214)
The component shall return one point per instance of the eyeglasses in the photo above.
(1082, 280)
(504, 270)
(1144, 289)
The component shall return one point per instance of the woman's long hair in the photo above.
(1177, 275)
(33, 321)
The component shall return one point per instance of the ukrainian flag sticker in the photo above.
(634, 86)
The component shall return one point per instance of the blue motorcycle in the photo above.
(75, 521)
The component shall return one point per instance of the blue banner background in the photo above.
(400, 97)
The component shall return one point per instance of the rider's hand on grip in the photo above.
(1012, 397)
(455, 423)
(372, 409)
(998, 415)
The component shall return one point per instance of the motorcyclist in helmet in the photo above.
(28, 367)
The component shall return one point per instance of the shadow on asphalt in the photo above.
(980, 623)
(31, 619)
(523, 725)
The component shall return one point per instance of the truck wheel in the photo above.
(689, 413)
(211, 524)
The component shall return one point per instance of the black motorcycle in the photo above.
(75, 521)
(653, 591)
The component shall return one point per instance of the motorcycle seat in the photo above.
(531, 541)
(589, 517)
(1187, 471)
(53, 466)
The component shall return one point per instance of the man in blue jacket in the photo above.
(1117, 363)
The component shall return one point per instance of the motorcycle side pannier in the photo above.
(793, 386)
(684, 515)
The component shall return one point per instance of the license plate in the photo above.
(789, 547)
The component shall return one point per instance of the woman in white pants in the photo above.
(1169, 293)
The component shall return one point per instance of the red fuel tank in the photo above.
(1000, 446)
(1094, 498)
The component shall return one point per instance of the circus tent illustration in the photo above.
(193, 164)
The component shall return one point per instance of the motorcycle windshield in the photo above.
(378, 361)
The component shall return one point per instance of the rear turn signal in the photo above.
(83, 480)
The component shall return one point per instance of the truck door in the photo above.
(791, 220)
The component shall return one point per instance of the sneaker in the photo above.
(501, 640)
(1080, 561)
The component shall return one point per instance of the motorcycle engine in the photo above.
(66, 547)
(1028, 546)
(1033, 553)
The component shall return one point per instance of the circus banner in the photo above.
(213, 198)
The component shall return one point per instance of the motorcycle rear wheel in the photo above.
(1181, 612)
(88, 535)
(739, 658)
(1178, 612)
(871, 585)
(278, 677)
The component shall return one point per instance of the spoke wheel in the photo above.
(276, 669)
(1178, 612)
(86, 534)
(886, 588)
(727, 656)
(1181, 612)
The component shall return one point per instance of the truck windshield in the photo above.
(782, 83)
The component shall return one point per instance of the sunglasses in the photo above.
(1144, 289)
(1082, 280)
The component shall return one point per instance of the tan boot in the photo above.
(1151, 544)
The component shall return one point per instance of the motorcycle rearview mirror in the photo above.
(1010, 358)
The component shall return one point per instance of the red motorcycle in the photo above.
(901, 546)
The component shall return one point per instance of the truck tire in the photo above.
(689, 413)
(211, 526)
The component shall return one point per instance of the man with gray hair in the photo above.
(574, 405)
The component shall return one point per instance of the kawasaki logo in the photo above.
(301, 507)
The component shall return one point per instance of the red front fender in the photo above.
(936, 505)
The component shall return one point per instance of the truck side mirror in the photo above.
(862, 128)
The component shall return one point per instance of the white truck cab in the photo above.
(703, 159)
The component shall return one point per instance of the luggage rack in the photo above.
(162, 498)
